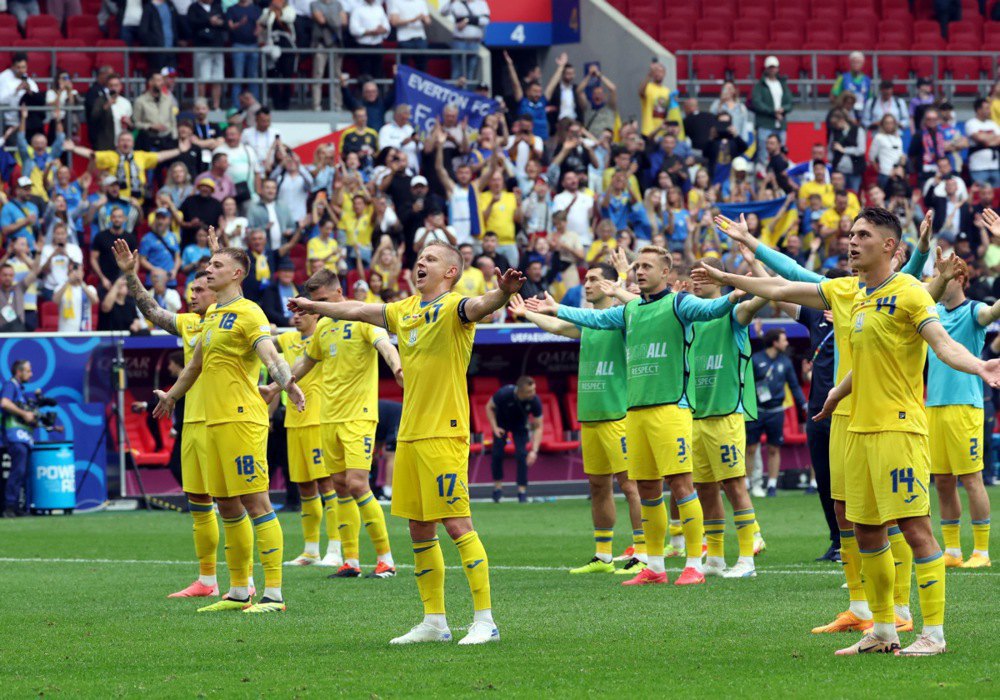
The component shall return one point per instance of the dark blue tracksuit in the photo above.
(18, 440)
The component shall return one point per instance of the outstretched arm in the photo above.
(988, 314)
(390, 354)
(956, 356)
(157, 315)
(601, 319)
(836, 395)
(779, 262)
(341, 310)
(691, 309)
(773, 288)
(508, 284)
(546, 323)
(917, 261)
(185, 380)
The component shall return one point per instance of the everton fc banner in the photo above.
(427, 96)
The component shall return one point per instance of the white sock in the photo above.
(483, 616)
(250, 582)
(717, 562)
(273, 594)
(693, 563)
(644, 558)
(952, 552)
(886, 631)
(677, 542)
(387, 491)
(981, 552)
(772, 483)
(935, 632)
(748, 560)
(207, 580)
(439, 621)
(333, 548)
(606, 558)
(239, 592)
(656, 564)
(903, 612)
(386, 559)
(312, 549)
(353, 562)
(813, 484)
(861, 610)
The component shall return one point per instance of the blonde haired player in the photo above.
(194, 450)
(888, 455)
(955, 414)
(435, 329)
(235, 340)
(601, 402)
(658, 426)
(347, 352)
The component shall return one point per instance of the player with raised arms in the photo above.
(347, 352)
(435, 330)
(194, 449)
(658, 425)
(888, 453)
(235, 339)
(601, 409)
(840, 296)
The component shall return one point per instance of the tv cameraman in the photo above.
(18, 424)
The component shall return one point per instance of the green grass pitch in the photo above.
(83, 616)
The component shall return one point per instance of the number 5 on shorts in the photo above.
(368, 447)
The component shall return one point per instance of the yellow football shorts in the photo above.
(838, 456)
(887, 476)
(659, 442)
(956, 434)
(431, 479)
(237, 459)
(604, 447)
(348, 445)
(305, 454)
(194, 464)
(718, 448)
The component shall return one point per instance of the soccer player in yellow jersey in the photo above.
(435, 328)
(235, 339)
(888, 456)
(193, 448)
(347, 352)
(305, 451)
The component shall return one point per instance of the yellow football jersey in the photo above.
(435, 348)
(230, 366)
(888, 356)
(348, 361)
(189, 330)
(471, 283)
(839, 297)
(293, 345)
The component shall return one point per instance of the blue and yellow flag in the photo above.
(773, 228)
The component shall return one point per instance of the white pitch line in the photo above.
(493, 567)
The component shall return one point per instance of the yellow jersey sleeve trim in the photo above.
(923, 323)
(826, 302)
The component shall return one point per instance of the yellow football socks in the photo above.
(371, 514)
(603, 540)
(270, 545)
(639, 543)
(746, 520)
(349, 524)
(206, 536)
(330, 514)
(930, 588)
(239, 549)
(715, 533)
(952, 535)
(903, 557)
(878, 571)
(654, 515)
(312, 513)
(981, 535)
(692, 523)
(675, 528)
(428, 567)
(850, 558)
(477, 569)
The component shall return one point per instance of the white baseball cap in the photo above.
(24, 181)
(771, 61)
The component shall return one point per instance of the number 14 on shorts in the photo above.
(902, 477)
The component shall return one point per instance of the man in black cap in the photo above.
(274, 301)
(877, 106)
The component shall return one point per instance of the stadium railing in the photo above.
(816, 75)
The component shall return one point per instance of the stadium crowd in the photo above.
(553, 181)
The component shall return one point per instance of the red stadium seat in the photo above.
(964, 68)
(78, 65)
(793, 432)
(783, 26)
(718, 37)
(553, 433)
(85, 24)
(485, 385)
(9, 22)
(48, 317)
(740, 64)
(709, 67)
(40, 22)
(762, 14)
(896, 68)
